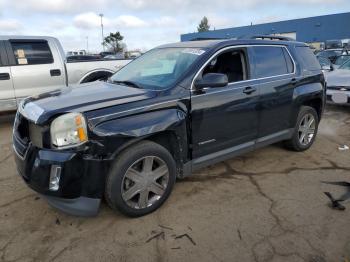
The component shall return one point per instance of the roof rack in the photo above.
(207, 38)
(270, 37)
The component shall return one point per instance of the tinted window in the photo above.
(290, 64)
(269, 61)
(307, 58)
(32, 53)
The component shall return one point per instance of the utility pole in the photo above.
(101, 15)
(87, 44)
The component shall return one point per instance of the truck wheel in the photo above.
(141, 179)
(305, 130)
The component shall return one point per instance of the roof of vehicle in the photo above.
(8, 37)
(226, 42)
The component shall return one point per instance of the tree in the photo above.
(114, 42)
(203, 25)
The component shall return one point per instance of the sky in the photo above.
(146, 23)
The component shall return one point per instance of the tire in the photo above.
(296, 143)
(136, 168)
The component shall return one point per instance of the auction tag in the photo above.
(193, 51)
(22, 61)
(20, 53)
(340, 98)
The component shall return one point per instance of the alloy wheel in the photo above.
(145, 182)
(307, 128)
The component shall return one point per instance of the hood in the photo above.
(339, 77)
(80, 98)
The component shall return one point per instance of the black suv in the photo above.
(177, 108)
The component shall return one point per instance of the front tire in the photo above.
(305, 130)
(141, 179)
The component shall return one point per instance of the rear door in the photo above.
(274, 74)
(7, 93)
(36, 67)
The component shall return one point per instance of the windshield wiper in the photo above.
(127, 83)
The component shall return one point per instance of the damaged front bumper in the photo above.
(79, 184)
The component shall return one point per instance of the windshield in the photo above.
(329, 53)
(341, 59)
(158, 69)
(346, 65)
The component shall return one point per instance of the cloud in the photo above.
(164, 21)
(201, 6)
(128, 21)
(91, 20)
(58, 6)
(10, 25)
(87, 20)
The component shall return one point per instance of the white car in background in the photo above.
(338, 85)
(30, 65)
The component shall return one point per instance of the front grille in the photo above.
(21, 138)
(21, 128)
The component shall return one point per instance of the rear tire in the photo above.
(305, 130)
(141, 179)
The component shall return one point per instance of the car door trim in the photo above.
(231, 152)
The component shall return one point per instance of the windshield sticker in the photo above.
(22, 61)
(20, 53)
(193, 51)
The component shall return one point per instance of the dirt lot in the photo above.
(265, 206)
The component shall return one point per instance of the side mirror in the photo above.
(211, 80)
(326, 67)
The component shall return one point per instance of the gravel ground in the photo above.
(267, 205)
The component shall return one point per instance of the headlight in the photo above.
(68, 129)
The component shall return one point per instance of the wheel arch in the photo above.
(95, 75)
(165, 127)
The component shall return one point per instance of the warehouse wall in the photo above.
(313, 29)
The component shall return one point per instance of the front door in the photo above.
(7, 93)
(225, 119)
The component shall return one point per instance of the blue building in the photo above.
(313, 30)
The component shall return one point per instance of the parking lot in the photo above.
(267, 205)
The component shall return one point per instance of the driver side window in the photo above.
(231, 63)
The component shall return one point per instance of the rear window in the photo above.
(32, 53)
(307, 58)
(271, 61)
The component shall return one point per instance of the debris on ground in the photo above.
(343, 147)
(165, 227)
(161, 234)
(335, 202)
(58, 222)
(188, 237)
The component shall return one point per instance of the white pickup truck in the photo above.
(31, 65)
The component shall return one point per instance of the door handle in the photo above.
(249, 90)
(55, 72)
(4, 76)
(293, 81)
